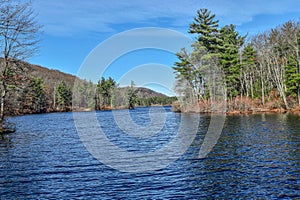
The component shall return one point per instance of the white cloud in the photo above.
(71, 17)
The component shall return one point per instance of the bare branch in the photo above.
(19, 36)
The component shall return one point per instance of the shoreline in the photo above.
(250, 112)
(262, 111)
(295, 111)
(79, 110)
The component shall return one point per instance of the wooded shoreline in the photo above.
(256, 74)
(175, 108)
(237, 107)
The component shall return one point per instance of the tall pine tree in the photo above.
(231, 42)
(104, 93)
(206, 27)
(292, 77)
(38, 95)
(63, 96)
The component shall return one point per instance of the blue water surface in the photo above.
(256, 157)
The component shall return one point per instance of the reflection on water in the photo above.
(257, 156)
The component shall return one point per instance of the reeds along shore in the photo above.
(242, 105)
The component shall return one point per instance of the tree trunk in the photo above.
(251, 87)
(285, 102)
(2, 102)
(298, 94)
(263, 93)
(3, 89)
(283, 96)
(54, 98)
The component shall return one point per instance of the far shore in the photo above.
(174, 108)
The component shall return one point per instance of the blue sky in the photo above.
(73, 28)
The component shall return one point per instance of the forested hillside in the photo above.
(35, 89)
(260, 73)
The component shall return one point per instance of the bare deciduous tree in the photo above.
(19, 36)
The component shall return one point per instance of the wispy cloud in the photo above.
(73, 17)
(240, 12)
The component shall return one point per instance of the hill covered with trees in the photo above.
(260, 73)
(35, 89)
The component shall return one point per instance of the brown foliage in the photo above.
(18, 99)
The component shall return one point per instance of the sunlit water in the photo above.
(257, 156)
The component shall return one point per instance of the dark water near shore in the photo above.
(257, 156)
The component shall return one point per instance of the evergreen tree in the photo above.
(206, 27)
(104, 92)
(189, 71)
(38, 95)
(131, 96)
(184, 69)
(99, 102)
(229, 58)
(63, 96)
(292, 76)
(205, 52)
(110, 87)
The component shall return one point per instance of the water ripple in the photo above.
(257, 157)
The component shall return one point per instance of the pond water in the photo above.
(257, 156)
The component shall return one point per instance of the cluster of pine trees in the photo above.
(108, 95)
(262, 72)
(32, 94)
(39, 91)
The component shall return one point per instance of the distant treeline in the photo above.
(108, 95)
(262, 71)
(34, 89)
